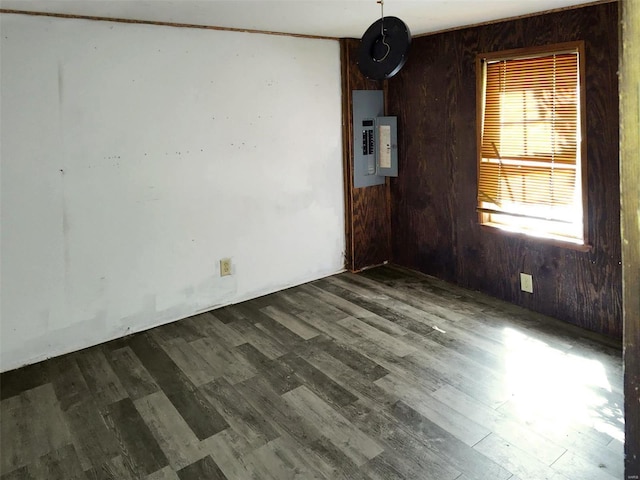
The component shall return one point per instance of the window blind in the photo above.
(529, 150)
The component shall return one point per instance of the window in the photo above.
(531, 169)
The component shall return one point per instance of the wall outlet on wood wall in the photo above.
(526, 282)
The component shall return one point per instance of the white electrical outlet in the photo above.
(225, 267)
(526, 282)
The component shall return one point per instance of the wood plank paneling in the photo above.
(433, 200)
(367, 210)
(630, 200)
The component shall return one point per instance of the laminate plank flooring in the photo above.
(387, 374)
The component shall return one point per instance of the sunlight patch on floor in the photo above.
(558, 390)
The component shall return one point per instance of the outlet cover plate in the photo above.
(225, 267)
(526, 282)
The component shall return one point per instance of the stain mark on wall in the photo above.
(60, 84)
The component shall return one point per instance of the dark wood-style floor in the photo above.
(383, 375)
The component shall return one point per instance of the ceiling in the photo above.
(330, 18)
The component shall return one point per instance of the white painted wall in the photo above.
(134, 157)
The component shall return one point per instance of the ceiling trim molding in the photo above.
(161, 24)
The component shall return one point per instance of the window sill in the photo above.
(497, 230)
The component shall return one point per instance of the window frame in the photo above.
(523, 53)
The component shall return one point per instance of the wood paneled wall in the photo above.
(368, 224)
(433, 201)
(630, 199)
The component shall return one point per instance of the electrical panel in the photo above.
(374, 139)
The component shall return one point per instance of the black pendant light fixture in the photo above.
(384, 47)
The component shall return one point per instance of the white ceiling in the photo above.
(331, 18)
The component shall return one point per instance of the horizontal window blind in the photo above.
(529, 149)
